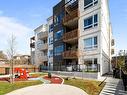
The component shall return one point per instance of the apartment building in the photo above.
(95, 35)
(81, 37)
(40, 55)
(32, 49)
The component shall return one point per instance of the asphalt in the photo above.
(49, 89)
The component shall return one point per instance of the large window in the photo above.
(89, 3)
(58, 18)
(58, 35)
(91, 22)
(50, 40)
(90, 43)
(58, 50)
(50, 53)
(91, 64)
(51, 28)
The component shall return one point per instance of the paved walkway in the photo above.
(49, 89)
(113, 87)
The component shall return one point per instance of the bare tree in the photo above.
(11, 51)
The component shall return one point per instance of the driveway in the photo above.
(49, 89)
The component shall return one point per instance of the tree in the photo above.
(11, 51)
(120, 61)
(2, 55)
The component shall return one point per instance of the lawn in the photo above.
(38, 74)
(6, 87)
(89, 86)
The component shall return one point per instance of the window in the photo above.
(90, 43)
(58, 50)
(91, 22)
(50, 53)
(91, 64)
(50, 40)
(89, 3)
(58, 18)
(58, 35)
(51, 28)
(45, 53)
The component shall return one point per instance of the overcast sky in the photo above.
(21, 17)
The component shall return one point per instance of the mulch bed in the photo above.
(54, 79)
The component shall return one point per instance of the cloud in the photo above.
(9, 25)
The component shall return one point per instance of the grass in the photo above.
(38, 74)
(6, 87)
(89, 86)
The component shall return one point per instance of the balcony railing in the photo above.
(112, 51)
(70, 35)
(113, 42)
(71, 5)
(45, 58)
(42, 35)
(43, 46)
(71, 54)
(72, 15)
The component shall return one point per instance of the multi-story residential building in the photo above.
(41, 47)
(50, 42)
(82, 36)
(32, 49)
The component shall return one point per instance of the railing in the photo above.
(70, 35)
(42, 35)
(32, 45)
(70, 16)
(71, 4)
(112, 51)
(113, 42)
(45, 58)
(70, 54)
(43, 46)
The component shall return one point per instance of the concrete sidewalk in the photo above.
(49, 89)
(4, 76)
(113, 87)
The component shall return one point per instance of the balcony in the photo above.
(43, 46)
(71, 54)
(45, 58)
(113, 42)
(71, 36)
(71, 18)
(71, 5)
(42, 35)
(32, 45)
(112, 51)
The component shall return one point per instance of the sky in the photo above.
(21, 17)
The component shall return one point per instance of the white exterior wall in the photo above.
(92, 32)
(50, 47)
(39, 54)
(105, 37)
(101, 31)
